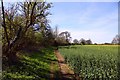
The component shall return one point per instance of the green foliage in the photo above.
(92, 61)
(35, 66)
(0, 35)
(38, 37)
(20, 19)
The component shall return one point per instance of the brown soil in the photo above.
(65, 72)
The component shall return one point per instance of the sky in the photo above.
(97, 21)
(65, 0)
(89, 19)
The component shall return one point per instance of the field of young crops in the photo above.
(92, 61)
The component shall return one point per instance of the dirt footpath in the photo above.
(65, 71)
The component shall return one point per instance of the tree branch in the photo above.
(16, 37)
(31, 16)
(4, 25)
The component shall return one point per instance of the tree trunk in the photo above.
(12, 58)
(4, 25)
(10, 54)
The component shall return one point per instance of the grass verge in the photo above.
(34, 66)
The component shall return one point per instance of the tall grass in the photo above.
(92, 61)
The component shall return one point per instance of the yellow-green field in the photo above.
(92, 61)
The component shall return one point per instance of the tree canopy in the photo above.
(23, 24)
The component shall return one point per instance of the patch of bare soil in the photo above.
(65, 71)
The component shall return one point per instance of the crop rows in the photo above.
(92, 61)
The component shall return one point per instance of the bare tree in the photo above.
(82, 41)
(65, 36)
(116, 39)
(76, 41)
(88, 41)
(56, 32)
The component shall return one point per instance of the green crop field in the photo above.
(92, 61)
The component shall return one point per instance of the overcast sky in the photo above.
(97, 21)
